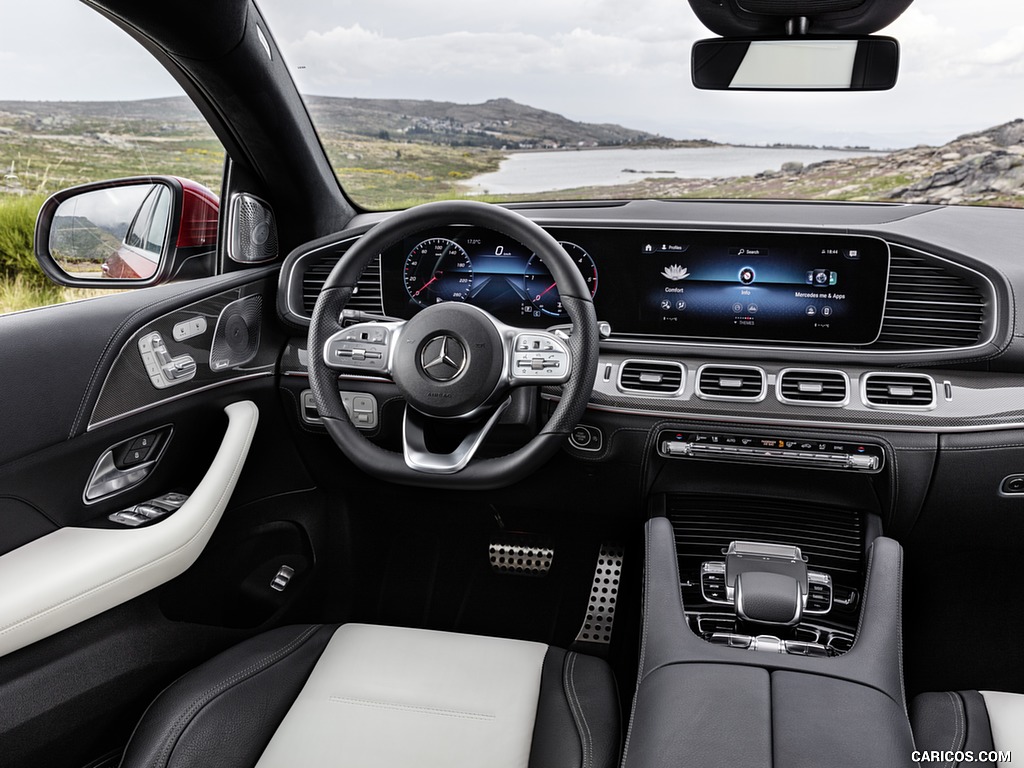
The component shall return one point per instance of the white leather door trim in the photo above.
(73, 574)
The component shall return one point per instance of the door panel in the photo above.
(76, 384)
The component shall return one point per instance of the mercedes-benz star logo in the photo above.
(443, 358)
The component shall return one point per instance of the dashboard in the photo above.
(855, 316)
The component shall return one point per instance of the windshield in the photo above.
(587, 99)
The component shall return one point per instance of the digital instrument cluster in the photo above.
(799, 288)
(483, 268)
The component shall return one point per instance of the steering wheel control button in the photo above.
(1012, 486)
(586, 438)
(361, 347)
(444, 358)
(539, 358)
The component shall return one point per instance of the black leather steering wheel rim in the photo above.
(479, 474)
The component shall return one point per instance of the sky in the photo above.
(590, 60)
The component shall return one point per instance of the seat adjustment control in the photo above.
(164, 370)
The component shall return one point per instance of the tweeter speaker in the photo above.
(237, 335)
(253, 235)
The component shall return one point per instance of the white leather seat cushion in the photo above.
(1006, 716)
(387, 697)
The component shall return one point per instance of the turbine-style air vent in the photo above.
(811, 387)
(730, 382)
(899, 390)
(654, 377)
(367, 296)
(930, 305)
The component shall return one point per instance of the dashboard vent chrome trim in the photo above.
(901, 391)
(659, 378)
(929, 305)
(811, 386)
(367, 296)
(731, 382)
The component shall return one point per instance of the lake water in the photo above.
(524, 172)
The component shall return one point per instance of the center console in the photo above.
(758, 651)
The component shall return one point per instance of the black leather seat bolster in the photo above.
(224, 712)
(951, 721)
(578, 721)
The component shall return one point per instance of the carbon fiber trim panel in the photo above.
(127, 388)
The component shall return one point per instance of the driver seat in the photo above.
(366, 696)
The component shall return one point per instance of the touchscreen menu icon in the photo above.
(822, 277)
(675, 273)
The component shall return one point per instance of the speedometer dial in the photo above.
(540, 285)
(436, 270)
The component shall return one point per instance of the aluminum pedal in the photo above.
(604, 594)
(521, 554)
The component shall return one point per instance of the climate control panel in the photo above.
(813, 452)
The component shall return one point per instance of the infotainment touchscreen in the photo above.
(794, 288)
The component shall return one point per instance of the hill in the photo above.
(495, 123)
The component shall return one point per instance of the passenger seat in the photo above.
(955, 723)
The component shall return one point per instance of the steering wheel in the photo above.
(452, 362)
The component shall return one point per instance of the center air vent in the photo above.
(652, 377)
(367, 296)
(730, 382)
(811, 387)
(899, 390)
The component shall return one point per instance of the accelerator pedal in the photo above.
(604, 594)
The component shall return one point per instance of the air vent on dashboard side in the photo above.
(899, 390)
(807, 386)
(730, 382)
(367, 296)
(651, 377)
(929, 305)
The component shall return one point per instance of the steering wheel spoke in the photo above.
(421, 459)
(363, 348)
(537, 357)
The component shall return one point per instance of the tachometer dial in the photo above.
(540, 285)
(438, 270)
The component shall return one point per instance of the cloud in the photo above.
(372, 56)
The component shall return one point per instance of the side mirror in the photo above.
(795, 64)
(127, 233)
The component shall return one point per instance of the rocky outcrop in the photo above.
(987, 166)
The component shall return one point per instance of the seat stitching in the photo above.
(410, 708)
(643, 640)
(567, 691)
(956, 726)
(180, 723)
(588, 753)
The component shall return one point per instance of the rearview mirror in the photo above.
(132, 232)
(795, 64)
